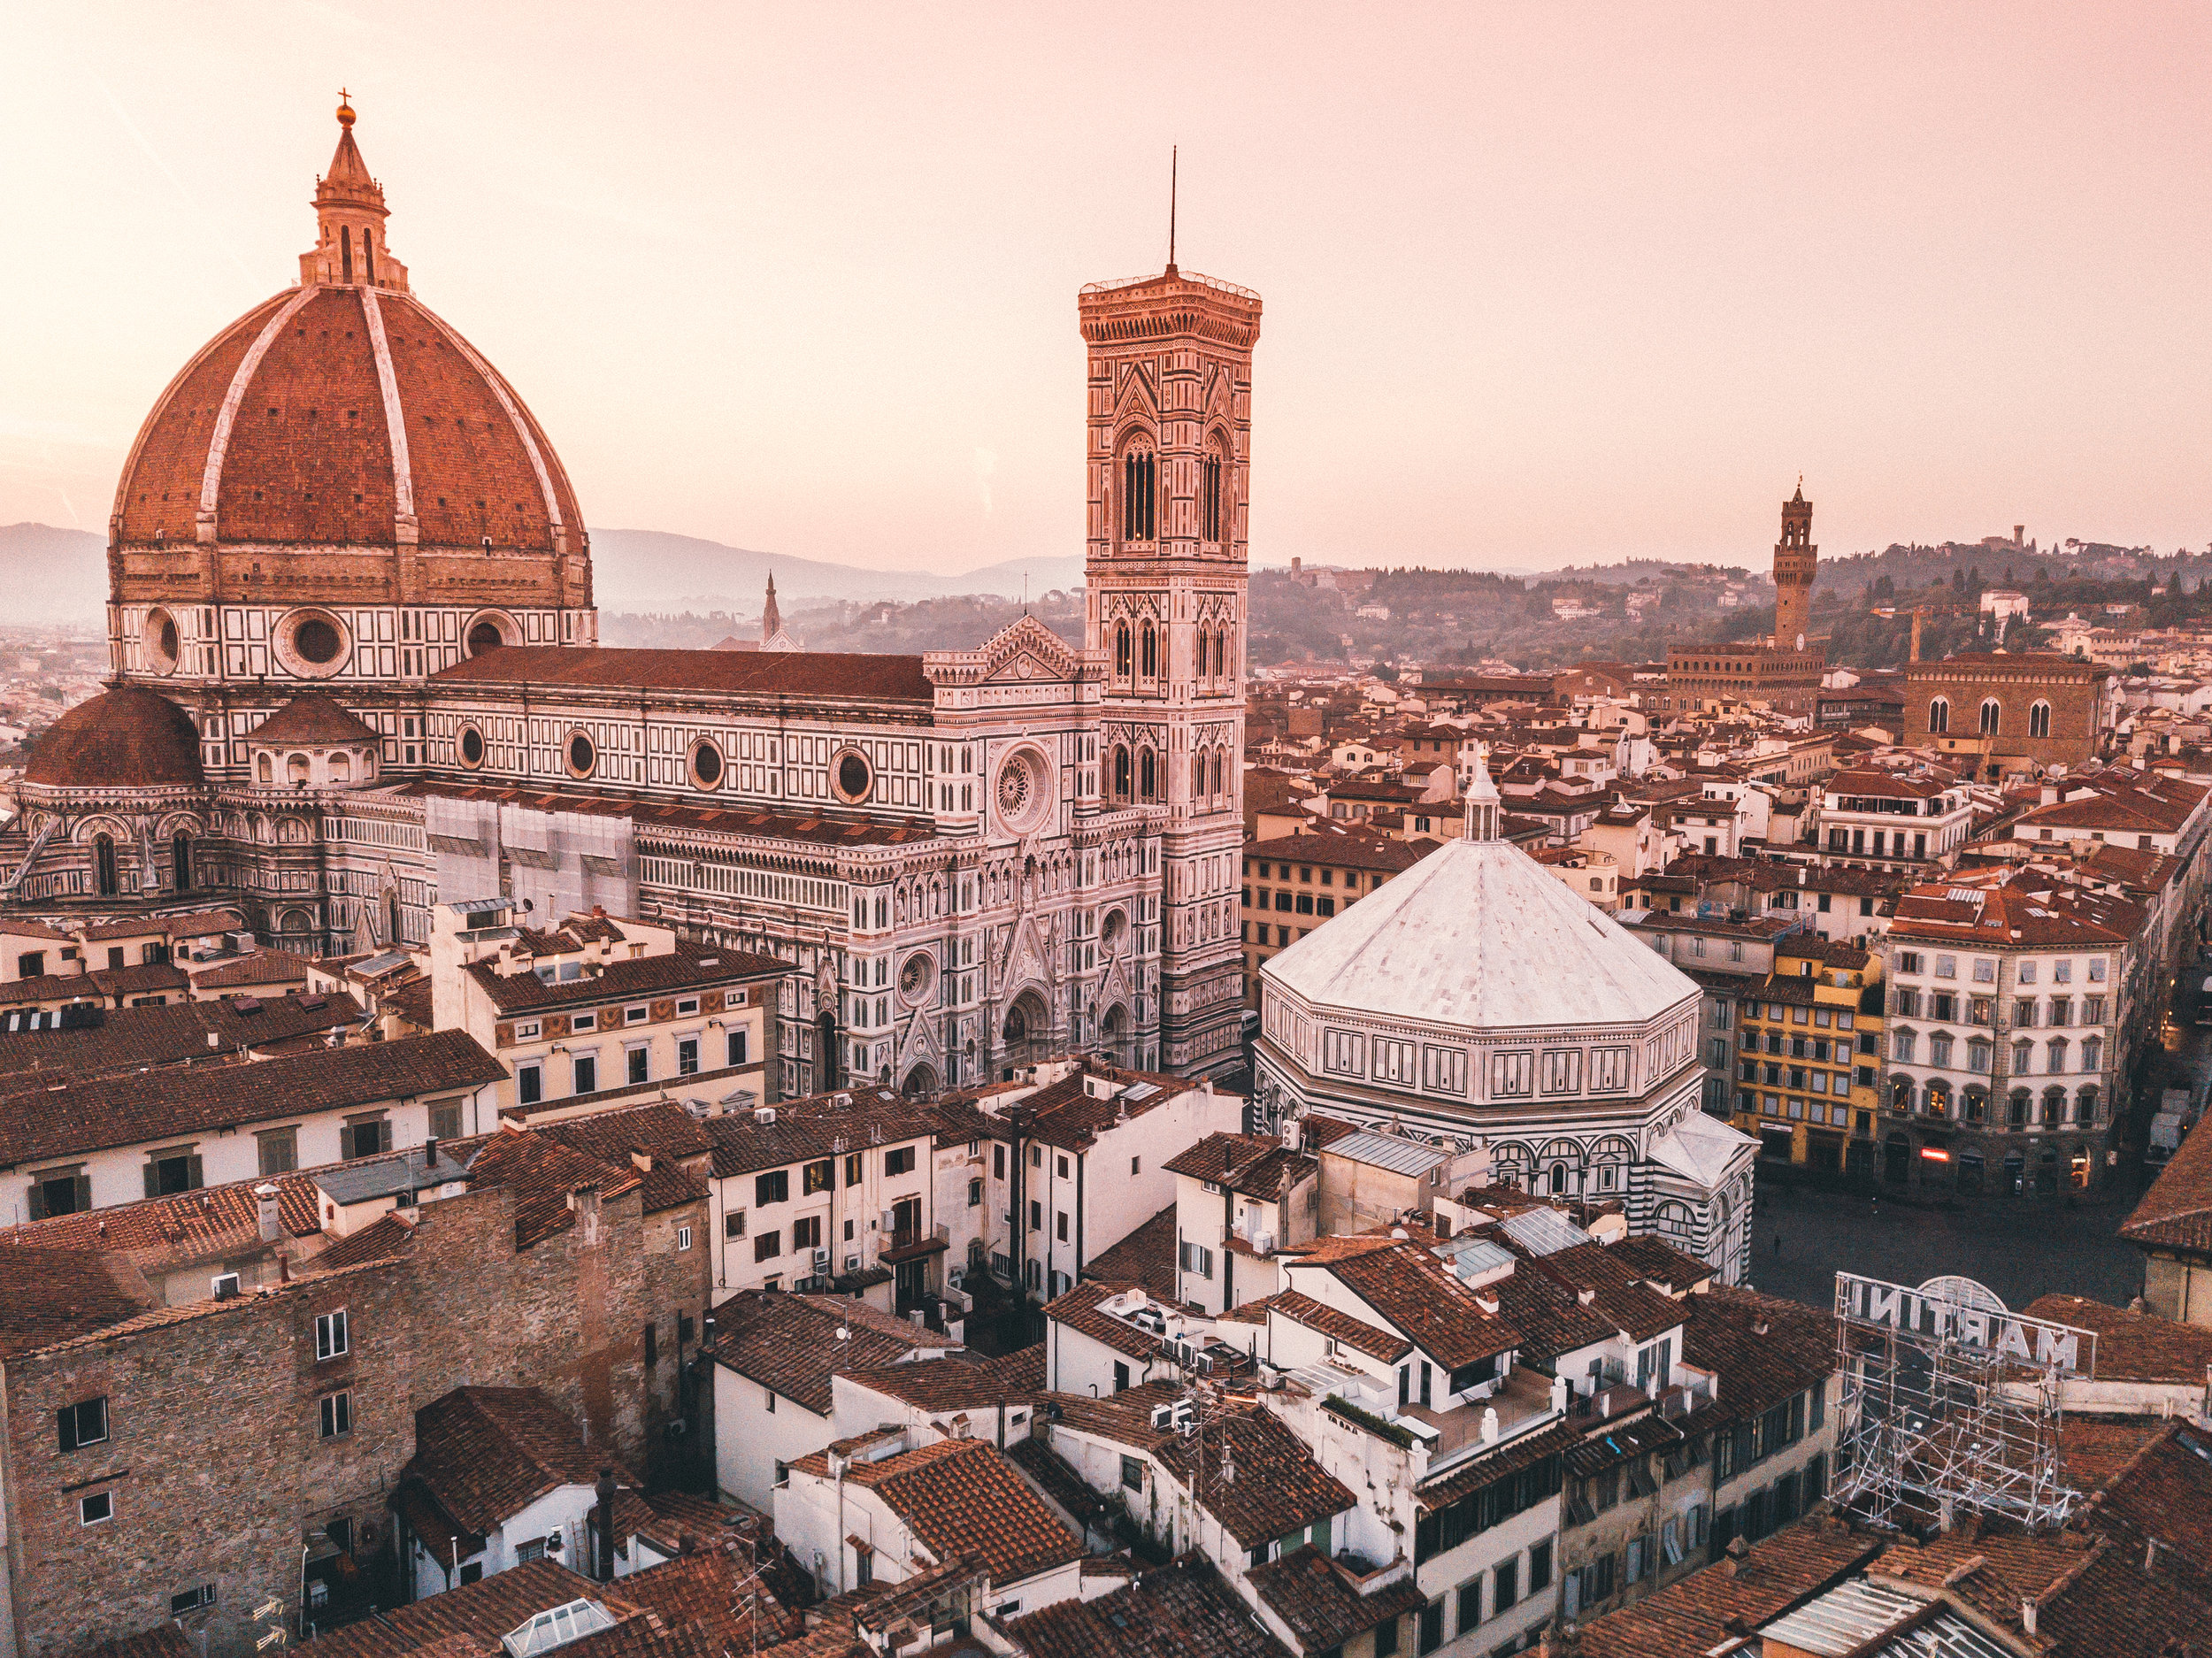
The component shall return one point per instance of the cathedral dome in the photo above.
(123, 738)
(345, 412)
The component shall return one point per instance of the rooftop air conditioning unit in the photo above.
(821, 1262)
(852, 1264)
(1163, 1416)
(763, 1114)
(227, 1286)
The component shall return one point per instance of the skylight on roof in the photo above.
(556, 1627)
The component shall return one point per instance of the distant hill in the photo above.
(651, 570)
(56, 577)
(51, 577)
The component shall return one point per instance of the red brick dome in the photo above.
(334, 415)
(343, 412)
(123, 738)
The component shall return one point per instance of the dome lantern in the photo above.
(349, 249)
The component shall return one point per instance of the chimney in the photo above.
(2027, 1613)
(429, 1153)
(265, 1201)
(1735, 1552)
(603, 1567)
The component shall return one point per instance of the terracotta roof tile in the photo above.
(1183, 1610)
(183, 1227)
(1419, 1296)
(51, 1295)
(688, 967)
(1356, 1333)
(484, 1453)
(43, 1121)
(1145, 1258)
(1256, 1165)
(311, 719)
(790, 1342)
(1322, 1605)
(1691, 1617)
(855, 828)
(164, 1640)
(2176, 1212)
(1763, 1349)
(808, 1130)
(1279, 1487)
(176, 1033)
(960, 1498)
(2133, 1346)
(484, 1611)
(128, 737)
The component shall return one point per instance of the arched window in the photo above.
(2016, 1109)
(2040, 719)
(2058, 1055)
(1990, 715)
(180, 861)
(1939, 715)
(1902, 1044)
(1121, 772)
(2093, 1053)
(264, 769)
(391, 916)
(1139, 494)
(1149, 649)
(345, 253)
(1901, 1094)
(1198, 775)
(1121, 649)
(295, 768)
(104, 865)
(368, 257)
(1977, 1053)
(1209, 498)
(2053, 1105)
(1939, 1048)
(1939, 1099)
(2022, 1057)
(1148, 775)
(2085, 1106)
(1221, 772)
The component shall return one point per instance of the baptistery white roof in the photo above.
(1478, 934)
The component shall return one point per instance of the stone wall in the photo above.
(216, 1460)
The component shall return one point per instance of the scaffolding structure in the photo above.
(1950, 1404)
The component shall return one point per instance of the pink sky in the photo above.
(1541, 285)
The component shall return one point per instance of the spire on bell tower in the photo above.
(349, 214)
(771, 616)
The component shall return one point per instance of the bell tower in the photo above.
(1794, 560)
(1167, 452)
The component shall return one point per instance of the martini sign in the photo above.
(1959, 1312)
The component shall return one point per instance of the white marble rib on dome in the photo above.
(1479, 934)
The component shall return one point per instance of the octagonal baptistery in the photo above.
(337, 489)
(1476, 1002)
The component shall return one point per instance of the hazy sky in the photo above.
(1542, 283)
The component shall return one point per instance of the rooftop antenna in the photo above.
(1173, 157)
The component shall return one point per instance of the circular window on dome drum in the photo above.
(706, 764)
(488, 630)
(157, 641)
(852, 776)
(313, 644)
(1024, 790)
(917, 975)
(471, 746)
(582, 754)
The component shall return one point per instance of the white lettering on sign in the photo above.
(1870, 1301)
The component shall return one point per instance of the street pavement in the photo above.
(2019, 1249)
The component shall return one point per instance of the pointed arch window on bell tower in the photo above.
(1149, 650)
(1210, 497)
(1139, 493)
(345, 253)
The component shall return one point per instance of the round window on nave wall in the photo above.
(706, 765)
(471, 746)
(583, 755)
(852, 777)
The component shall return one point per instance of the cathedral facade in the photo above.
(356, 674)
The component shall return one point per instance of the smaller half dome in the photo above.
(126, 738)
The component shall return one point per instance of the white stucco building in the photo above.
(1475, 1002)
